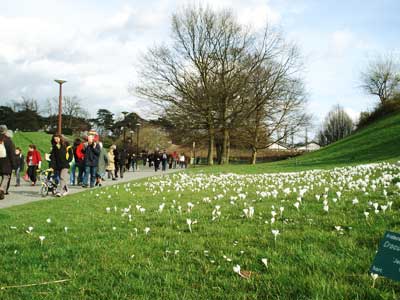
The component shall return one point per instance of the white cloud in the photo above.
(354, 115)
(95, 46)
(95, 50)
(342, 40)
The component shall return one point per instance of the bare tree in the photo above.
(277, 116)
(337, 125)
(179, 78)
(71, 108)
(25, 104)
(204, 77)
(381, 78)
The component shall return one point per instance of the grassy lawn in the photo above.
(40, 139)
(117, 242)
(106, 254)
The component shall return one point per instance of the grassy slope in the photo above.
(40, 139)
(378, 142)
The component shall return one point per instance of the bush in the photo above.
(380, 111)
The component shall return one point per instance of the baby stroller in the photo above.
(48, 181)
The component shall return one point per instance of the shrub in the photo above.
(380, 111)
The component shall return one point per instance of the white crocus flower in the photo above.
(281, 209)
(374, 278)
(189, 223)
(190, 206)
(275, 232)
(41, 238)
(265, 262)
(251, 212)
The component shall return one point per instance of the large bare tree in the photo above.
(203, 79)
(382, 78)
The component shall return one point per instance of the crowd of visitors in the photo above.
(85, 163)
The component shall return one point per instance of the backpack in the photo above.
(3, 151)
(67, 153)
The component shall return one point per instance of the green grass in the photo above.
(310, 259)
(42, 141)
(103, 256)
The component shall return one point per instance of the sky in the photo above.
(95, 45)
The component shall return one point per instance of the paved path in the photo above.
(26, 193)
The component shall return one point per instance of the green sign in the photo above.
(387, 260)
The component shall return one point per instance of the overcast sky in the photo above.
(95, 45)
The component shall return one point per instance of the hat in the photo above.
(3, 129)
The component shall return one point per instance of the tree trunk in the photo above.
(218, 147)
(253, 156)
(224, 153)
(210, 156)
(228, 152)
(255, 143)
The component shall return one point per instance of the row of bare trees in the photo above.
(223, 82)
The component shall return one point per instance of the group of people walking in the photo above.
(85, 162)
(164, 159)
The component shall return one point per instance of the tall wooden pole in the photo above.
(59, 127)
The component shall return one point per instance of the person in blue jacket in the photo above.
(91, 151)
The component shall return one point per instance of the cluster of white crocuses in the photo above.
(368, 190)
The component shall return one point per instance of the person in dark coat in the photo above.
(19, 165)
(116, 161)
(134, 162)
(130, 152)
(7, 160)
(60, 157)
(123, 157)
(164, 160)
(157, 160)
(144, 156)
(92, 152)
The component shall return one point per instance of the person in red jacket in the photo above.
(34, 161)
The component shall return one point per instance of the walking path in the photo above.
(26, 193)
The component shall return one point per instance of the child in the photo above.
(19, 165)
(34, 162)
